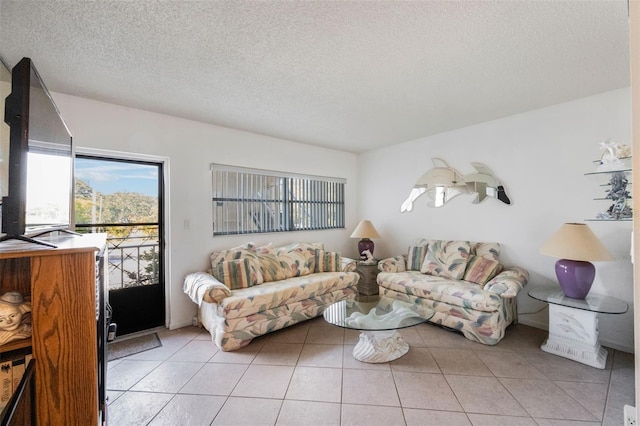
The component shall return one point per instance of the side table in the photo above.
(368, 282)
(573, 324)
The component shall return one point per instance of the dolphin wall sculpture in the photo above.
(442, 183)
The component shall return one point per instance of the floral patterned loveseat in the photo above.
(462, 282)
(251, 290)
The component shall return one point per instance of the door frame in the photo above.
(166, 228)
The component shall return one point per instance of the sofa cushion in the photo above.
(249, 301)
(480, 270)
(270, 266)
(327, 261)
(446, 259)
(416, 256)
(489, 251)
(440, 289)
(246, 250)
(240, 273)
(299, 258)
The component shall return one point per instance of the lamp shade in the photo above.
(576, 241)
(365, 229)
(576, 246)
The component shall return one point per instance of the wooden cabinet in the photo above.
(368, 282)
(65, 307)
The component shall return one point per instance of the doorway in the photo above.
(124, 199)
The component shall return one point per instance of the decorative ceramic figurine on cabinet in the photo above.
(15, 318)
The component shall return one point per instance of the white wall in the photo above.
(541, 157)
(191, 147)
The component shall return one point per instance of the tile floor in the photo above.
(306, 375)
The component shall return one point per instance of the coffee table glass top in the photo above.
(371, 313)
(593, 302)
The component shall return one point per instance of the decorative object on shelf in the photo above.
(615, 162)
(15, 319)
(443, 183)
(577, 246)
(366, 231)
(613, 155)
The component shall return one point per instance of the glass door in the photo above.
(124, 199)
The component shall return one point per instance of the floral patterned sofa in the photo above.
(462, 282)
(251, 291)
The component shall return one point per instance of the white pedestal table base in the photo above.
(380, 346)
(573, 334)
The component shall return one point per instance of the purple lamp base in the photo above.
(364, 245)
(575, 277)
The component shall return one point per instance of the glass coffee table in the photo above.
(378, 318)
(573, 324)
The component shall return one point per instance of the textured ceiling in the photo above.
(351, 75)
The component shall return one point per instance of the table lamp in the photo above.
(366, 231)
(576, 246)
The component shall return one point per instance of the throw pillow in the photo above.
(238, 273)
(489, 251)
(327, 261)
(270, 266)
(480, 270)
(416, 257)
(446, 259)
(299, 257)
(247, 250)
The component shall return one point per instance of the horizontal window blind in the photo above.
(247, 201)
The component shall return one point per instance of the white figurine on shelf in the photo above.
(369, 260)
(14, 317)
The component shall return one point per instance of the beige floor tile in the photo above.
(592, 396)
(168, 377)
(414, 417)
(189, 410)
(545, 399)
(127, 373)
(417, 360)
(509, 364)
(316, 384)
(348, 361)
(113, 395)
(321, 356)
(275, 353)
(493, 420)
(195, 351)
(264, 381)
(295, 334)
(412, 337)
(425, 391)
(522, 338)
(243, 355)
(355, 415)
(326, 336)
(484, 395)
(459, 361)
(556, 422)
(204, 335)
(137, 408)
(351, 337)
(296, 413)
(215, 379)
(555, 367)
(435, 336)
(248, 411)
(369, 387)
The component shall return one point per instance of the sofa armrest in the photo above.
(393, 264)
(508, 282)
(347, 264)
(203, 287)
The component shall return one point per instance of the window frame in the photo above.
(272, 201)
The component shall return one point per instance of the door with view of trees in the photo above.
(123, 198)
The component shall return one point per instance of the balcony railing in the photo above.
(133, 253)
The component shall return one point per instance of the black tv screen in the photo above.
(40, 196)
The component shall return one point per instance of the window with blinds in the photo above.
(248, 201)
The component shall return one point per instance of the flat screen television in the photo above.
(40, 163)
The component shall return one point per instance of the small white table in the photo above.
(573, 324)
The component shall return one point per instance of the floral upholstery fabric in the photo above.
(481, 313)
(234, 317)
(416, 256)
(446, 258)
(480, 270)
